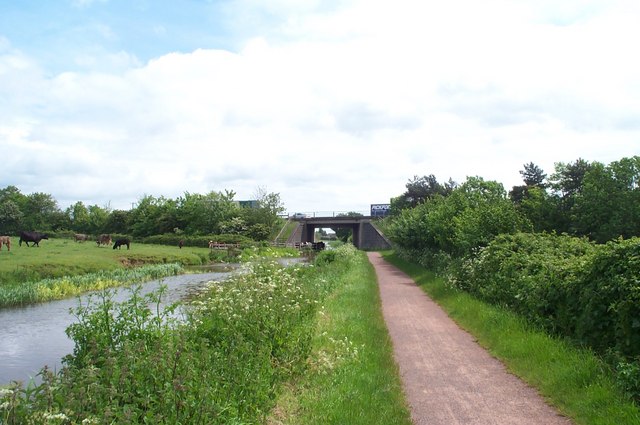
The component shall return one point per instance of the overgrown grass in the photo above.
(574, 380)
(351, 376)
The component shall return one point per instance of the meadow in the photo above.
(64, 257)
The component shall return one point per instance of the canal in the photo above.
(33, 336)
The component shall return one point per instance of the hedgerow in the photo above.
(568, 286)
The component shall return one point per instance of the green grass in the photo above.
(574, 380)
(351, 377)
(64, 257)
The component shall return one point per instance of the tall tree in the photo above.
(10, 217)
(79, 216)
(532, 175)
(262, 220)
(41, 212)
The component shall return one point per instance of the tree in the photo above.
(117, 222)
(609, 202)
(456, 225)
(79, 216)
(10, 217)
(265, 216)
(97, 219)
(420, 189)
(12, 193)
(532, 175)
(205, 214)
(41, 212)
(568, 178)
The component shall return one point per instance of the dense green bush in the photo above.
(570, 287)
(534, 274)
(609, 299)
(455, 226)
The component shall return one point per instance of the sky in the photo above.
(333, 104)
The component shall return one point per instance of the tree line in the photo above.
(561, 250)
(190, 214)
(581, 198)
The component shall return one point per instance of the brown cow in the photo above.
(5, 240)
(104, 239)
(180, 244)
(80, 237)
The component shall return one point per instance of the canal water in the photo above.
(34, 336)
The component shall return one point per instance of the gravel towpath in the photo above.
(447, 377)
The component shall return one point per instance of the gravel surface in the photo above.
(447, 377)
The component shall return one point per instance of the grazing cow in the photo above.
(104, 239)
(180, 244)
(34, 237)
(120, 242)
(5, 240)
(318, 246)
(80, 237)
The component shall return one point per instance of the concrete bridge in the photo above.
(365, 234)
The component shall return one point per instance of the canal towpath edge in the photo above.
(448, 378)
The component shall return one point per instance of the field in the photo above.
(64, 257)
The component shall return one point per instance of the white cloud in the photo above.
(336, 108)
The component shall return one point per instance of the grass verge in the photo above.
(574, 380)
(351, 377)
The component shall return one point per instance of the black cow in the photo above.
(318, 246)
(34, 237)
(120, 242)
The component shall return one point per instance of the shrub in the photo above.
(609, 299)
(534, 274)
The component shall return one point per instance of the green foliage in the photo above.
(134, 363)
(10, 217)
(351, 376)
(609, 299)
(469, 218)
(532, 274)
(568, 286)
(33, 291)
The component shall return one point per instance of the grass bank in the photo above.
(69, 286)
(574, 380)
(351, 377)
